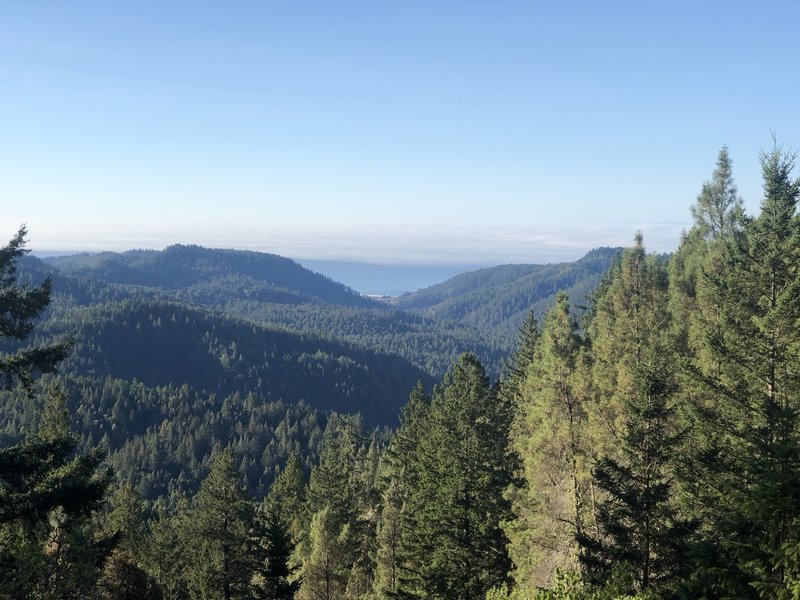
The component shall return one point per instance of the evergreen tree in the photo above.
(327, 567)
(744, 476)
(516, 368)
(452, 545)
(719, 210)
(278, 582)
(552, 505)
(637, 520)
(127, 519)
(19, 306)
(220, 564)
(399, 478)
(287, 495)
(167, 551)
(123, 579)
(335, 537)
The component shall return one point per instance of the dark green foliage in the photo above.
(514, 371)
(19, 306)
(336, 554)
(164, 556)
(220, 561)
(123, 579)
(48, 546)
(744, 475)
(160, 439)
(639, 524)
(163, 344)
(451, 544)
(399, 479)
(638, 521)
(196, 269)
(277, 572)
(497, 300)
(268, 291)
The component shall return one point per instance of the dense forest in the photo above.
(429, 328)
(641, 442)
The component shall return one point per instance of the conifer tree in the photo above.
(220, 561)
(127, 519)
(745, 473)
(327, 567)
(287, 496)
(637, 520)
(167, 550)
(334, 541)
(552, 506)
(19, 306)
(452, 544)
(516, 368)
(399, 478)
(277, 580)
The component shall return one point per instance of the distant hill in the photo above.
(496, 299)
(269, 291)
(194, 269)
(479, 311)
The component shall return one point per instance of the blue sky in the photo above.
(470, 132)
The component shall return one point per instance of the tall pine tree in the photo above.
(553, 504)
(452, 543)
(218, 535)
(744, 476)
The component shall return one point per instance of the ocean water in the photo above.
(386, 280)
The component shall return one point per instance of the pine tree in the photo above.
(746, 470)
(19, 306)
(452, 545)
(552, 505)
(220, 564)
(637, 520)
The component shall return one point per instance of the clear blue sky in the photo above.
(397, 131)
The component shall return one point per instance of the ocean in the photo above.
(386, 280)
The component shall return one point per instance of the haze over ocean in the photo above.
(386, 279)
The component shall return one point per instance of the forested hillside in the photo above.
(497, 299)
(274, 292)
(161, 343)
(197, 271)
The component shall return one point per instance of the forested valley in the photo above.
(178, 425)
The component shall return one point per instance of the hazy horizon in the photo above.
(410, 245)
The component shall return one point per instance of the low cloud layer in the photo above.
(406, 244)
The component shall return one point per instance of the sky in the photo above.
(400, 132)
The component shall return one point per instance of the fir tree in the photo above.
(744, 476)
(637, 520)
(334, 541)
(19, 306)
(553, 504)
(278, 582)
(399, 478)
(452, 545)
(220, 564)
